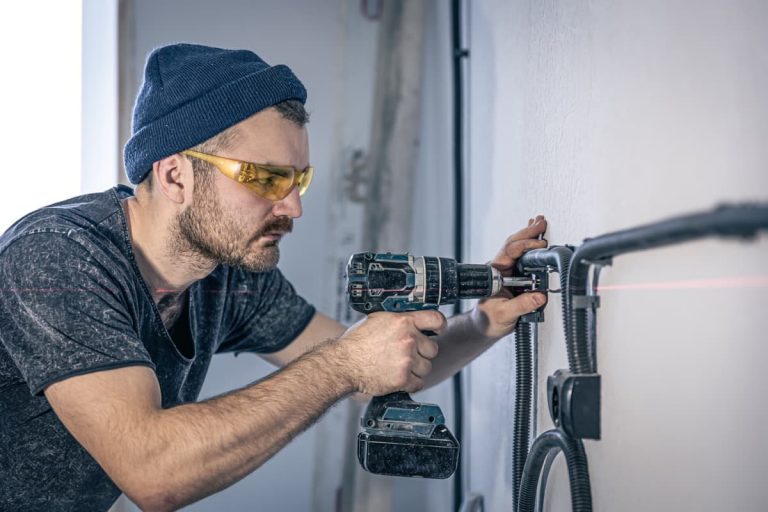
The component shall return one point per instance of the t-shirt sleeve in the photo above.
(62, 312)
(266, 312)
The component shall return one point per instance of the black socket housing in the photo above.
(574, 403)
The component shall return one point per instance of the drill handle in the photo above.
(378, 404)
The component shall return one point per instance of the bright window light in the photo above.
(40, 101)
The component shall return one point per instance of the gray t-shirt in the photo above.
(72, 301)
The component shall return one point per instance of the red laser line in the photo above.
(688, 284)
(96, 289)
(693, 284)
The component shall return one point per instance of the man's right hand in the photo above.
(387, 352)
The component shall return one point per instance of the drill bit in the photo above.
(516, 282)
(521, 282)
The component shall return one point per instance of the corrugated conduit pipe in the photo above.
(578, 472)
(526, 466)
(555, 257)
(521, 428)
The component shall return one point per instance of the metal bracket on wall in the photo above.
(585, 301)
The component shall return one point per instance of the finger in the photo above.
(538, 227)
(534, 229)
(427, 348)
(429, 320)
(421, 367)
(514, 249)
(414, 384)
(525, 303)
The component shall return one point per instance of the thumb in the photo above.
(526, 303)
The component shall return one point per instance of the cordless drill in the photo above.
(402, 437)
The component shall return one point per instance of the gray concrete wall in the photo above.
(604, 115)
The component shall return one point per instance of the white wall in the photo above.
(605, 115)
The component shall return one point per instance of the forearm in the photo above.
(462, 342)
(198, 449)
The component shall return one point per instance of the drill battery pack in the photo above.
(397, 455)
(402, 437)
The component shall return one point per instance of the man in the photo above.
(112, 304)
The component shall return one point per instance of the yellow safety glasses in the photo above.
(273, 182)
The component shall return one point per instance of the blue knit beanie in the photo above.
(192, 92)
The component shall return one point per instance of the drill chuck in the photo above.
(444, 281)
(477, 281)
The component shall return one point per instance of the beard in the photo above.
(209, 232)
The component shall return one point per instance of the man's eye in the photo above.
(265, 181)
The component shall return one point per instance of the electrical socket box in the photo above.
(574, 403)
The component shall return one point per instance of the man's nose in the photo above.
(289, 206)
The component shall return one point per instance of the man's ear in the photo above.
(173, 178)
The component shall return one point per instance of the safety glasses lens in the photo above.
(305, 178)
(273, 183)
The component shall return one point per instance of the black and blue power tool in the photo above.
(400, 436)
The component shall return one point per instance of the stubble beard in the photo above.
(209, 234)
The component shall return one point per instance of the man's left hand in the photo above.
(497, 316)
